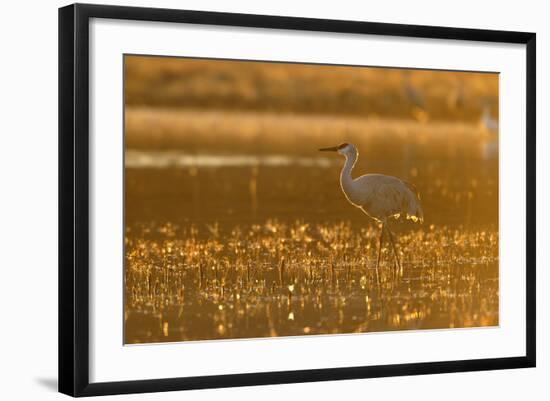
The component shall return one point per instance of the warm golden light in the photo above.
(237, 227)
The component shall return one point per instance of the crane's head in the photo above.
(344, 149)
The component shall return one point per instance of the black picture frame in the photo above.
(74, 198)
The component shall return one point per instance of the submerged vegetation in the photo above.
(280, 279)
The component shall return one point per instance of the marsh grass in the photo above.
(286, 279)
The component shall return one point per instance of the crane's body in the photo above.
(379, 196)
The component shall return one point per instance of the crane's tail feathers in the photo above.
(414, 209)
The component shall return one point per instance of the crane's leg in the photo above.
(380, 239)
(392, 242)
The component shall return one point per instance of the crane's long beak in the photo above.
(331, 149)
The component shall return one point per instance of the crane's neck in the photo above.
(346, 180)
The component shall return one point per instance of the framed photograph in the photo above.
(250, 199)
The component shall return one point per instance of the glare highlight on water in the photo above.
(179, 159)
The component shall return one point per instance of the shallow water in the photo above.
(233, 247)
(279, 279)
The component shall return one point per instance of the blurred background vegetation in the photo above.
(305, 88)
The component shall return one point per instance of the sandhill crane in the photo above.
(487, 121)
(414, 99)
(489, 125)
(379, 196)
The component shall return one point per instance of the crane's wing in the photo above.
(390, 197)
